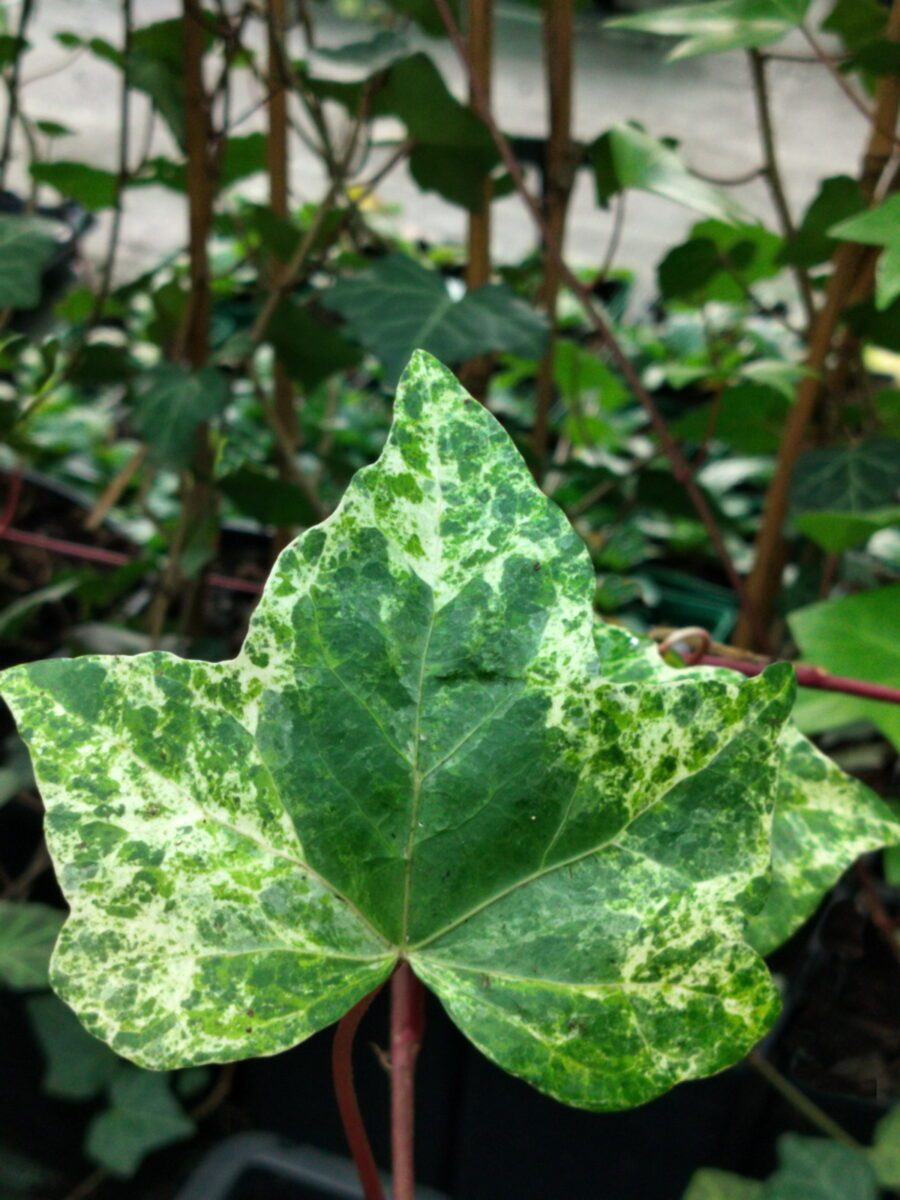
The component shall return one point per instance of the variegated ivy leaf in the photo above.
(416, 755)
(823, 821)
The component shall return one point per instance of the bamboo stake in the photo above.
(559, 177)
(850, 263)
(479, 40)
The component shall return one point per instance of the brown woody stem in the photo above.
(848, 284)
(559, 176)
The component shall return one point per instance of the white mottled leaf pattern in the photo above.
(823, 821)
(417, 754)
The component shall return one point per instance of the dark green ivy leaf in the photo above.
(399, 305)
(169, 403)
(840, 531)
(77, 1065)
(27, 933)
(244, 155)
(10, 48)
(453, 151)
(809, 1169)
(90, 186)
(719, 263)
(850, 479)
(26, 245)
(266, 499)
(309, 349)
(856, 22)
(143, 1116)
(839, 198)
(879, 226)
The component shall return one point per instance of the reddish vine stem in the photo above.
(699, 641)
(111, 558)
(680, 466)
(348, 1105)
(407, 1028)
(810, 677)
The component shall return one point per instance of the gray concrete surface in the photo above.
(706, 103)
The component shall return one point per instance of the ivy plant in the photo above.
(424, 752)
(815, 1169)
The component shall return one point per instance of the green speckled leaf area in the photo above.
(416, 754)
(824, 819)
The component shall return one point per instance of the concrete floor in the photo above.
(706, 103)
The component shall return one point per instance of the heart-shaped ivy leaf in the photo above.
(416, 754)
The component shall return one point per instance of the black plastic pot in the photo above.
(484, 1135)
(841, 1007)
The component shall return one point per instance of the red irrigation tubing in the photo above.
(12, 499)
(113, 558)
(698, 642)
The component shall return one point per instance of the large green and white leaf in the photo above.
(416, 754)
(627, 157)
(398, 306)
(823, 819)
(26, 245)
(859, 636)
(27, 934)
(718, 25)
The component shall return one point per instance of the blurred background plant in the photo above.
(224, 228)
